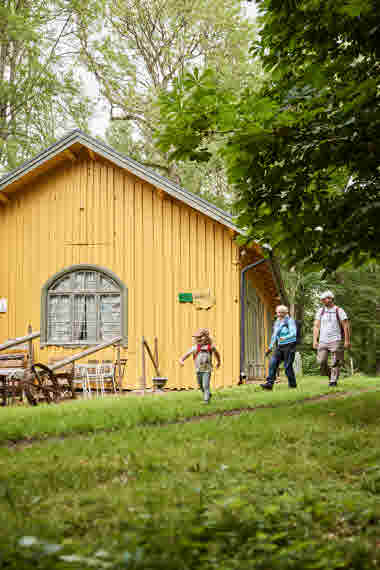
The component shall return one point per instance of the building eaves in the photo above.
(172, 189)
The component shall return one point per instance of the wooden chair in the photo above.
(94, 376)
(81, 378)
(108, 373)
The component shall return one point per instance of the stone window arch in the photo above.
(83, 305)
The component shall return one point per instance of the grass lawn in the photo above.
(291, 487)
(128, 412)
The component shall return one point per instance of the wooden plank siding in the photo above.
(91, 211)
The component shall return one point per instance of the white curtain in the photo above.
(84, 322)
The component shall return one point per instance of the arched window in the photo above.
(83, 305)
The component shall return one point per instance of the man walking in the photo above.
(331, 335)
(284, 338)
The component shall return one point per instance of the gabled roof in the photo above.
(73, 141)
(78, 137)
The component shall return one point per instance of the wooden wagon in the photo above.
(20, 377)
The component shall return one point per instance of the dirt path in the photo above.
(28, 442)
(238, 411)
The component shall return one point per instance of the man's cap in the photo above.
(326, 294)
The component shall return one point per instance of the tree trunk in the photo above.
(299, 312)
(377, 341)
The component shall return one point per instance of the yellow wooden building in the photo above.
(94, 245)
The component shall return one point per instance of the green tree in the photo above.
(139, 52)
(39, 94)
(208, 179)
(357, 291)
(303, 154)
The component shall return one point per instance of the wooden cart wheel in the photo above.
(42, 372)
(66, 384)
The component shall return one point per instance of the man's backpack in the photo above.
(337, 318)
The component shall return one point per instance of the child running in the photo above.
(202, 351)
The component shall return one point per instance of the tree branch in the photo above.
(156, 165)
(131, 117)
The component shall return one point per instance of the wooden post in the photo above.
(152, 358)
(16, 341)
(30, 358)
(156, 351)
(30, 348)
(143, 377)
(119, 367)
(155, 358)
(73, 395)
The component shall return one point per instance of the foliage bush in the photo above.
(310, 365)
(280, 528)
(291, 488)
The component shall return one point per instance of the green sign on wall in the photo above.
(185, 297)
